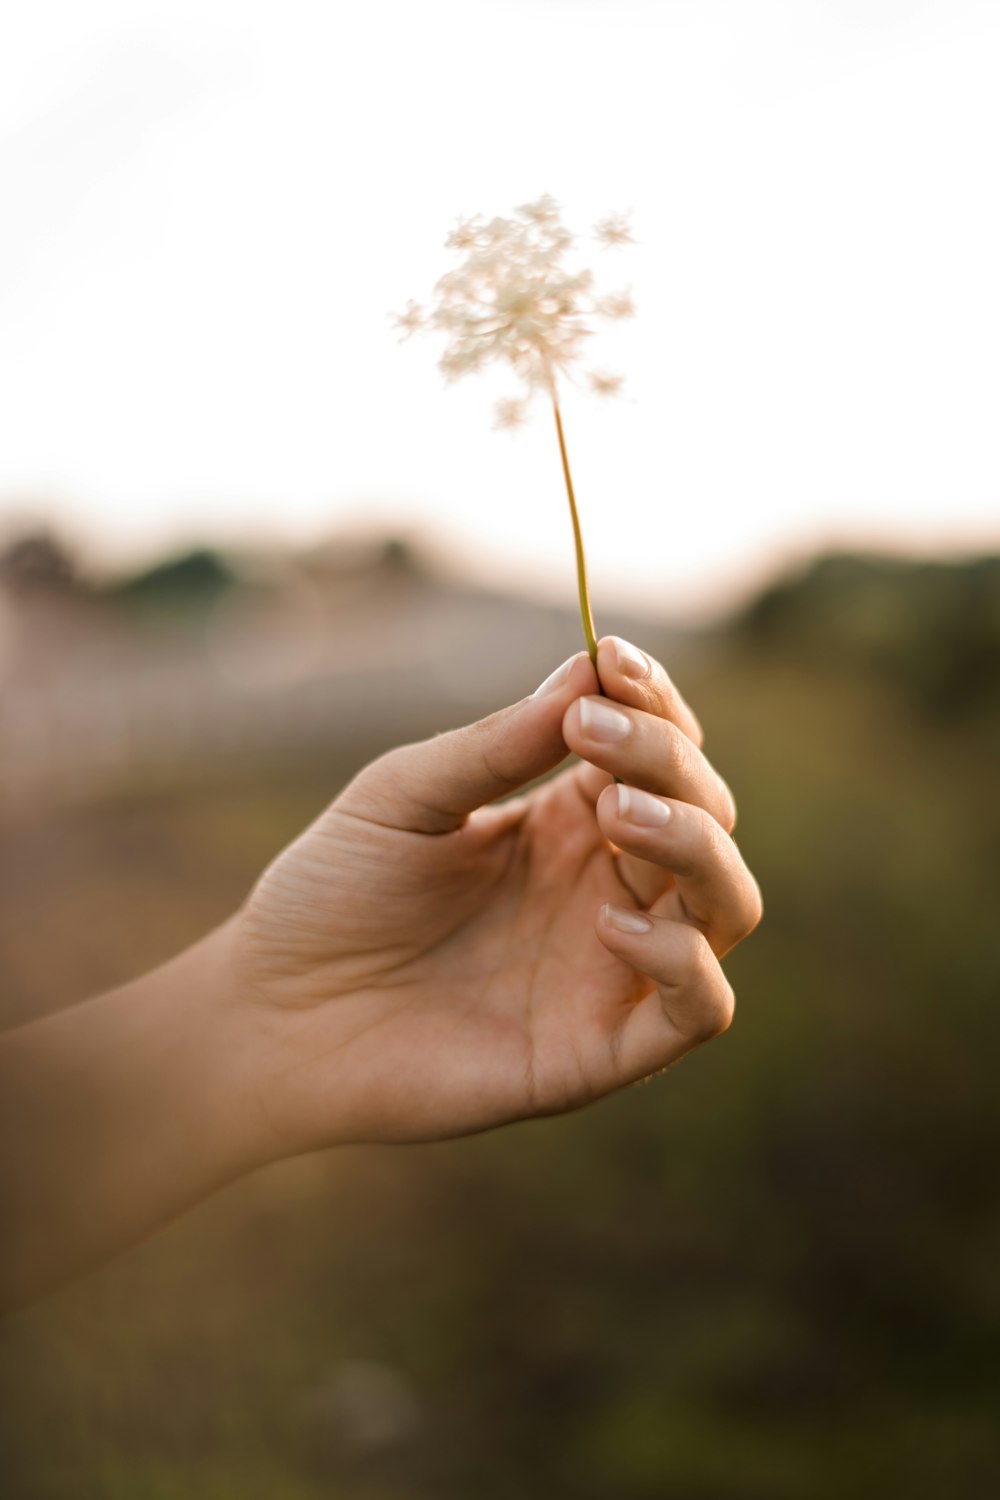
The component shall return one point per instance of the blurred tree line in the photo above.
(932, 628)
(768, 1275)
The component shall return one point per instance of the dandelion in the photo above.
(512, 299)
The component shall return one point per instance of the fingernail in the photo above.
(555, 679)
(599, 721)
(624, 920)
(630, 661)
(635, 806)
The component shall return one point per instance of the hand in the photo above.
(422, 964)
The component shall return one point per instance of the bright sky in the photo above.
(209, 209)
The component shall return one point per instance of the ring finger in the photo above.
(709, 886)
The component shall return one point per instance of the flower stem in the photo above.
(589, 633)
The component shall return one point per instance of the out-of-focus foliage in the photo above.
(933, 627)
(769, 1275)
(36, 562)
(192, 582)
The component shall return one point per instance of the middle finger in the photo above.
(710, 885)
(647, 752)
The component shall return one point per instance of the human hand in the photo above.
(425, 962)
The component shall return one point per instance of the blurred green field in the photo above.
(769, 1275)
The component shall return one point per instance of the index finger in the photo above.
(631, 677)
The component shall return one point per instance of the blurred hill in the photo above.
(931, 629)
(206, 656)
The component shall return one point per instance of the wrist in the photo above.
(224, 1056)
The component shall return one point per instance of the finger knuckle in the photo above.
(487, 740)
(748, 909)
(696, 734)
(701, 848)
(720, 1011)
(672, 705)
(694, 956)
(663, 700)
(676, 754)
(374, 782)
(755, 907)
(718, 846)
(728, 805)
(710, 999)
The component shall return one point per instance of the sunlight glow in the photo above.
(211, 210)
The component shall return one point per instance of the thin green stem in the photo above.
(589, 633)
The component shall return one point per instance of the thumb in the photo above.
(431, 787)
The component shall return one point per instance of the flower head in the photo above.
(613, 230)
(410, 320)
(616, 305)
(603, 383)
(510, 413)
(513, 299)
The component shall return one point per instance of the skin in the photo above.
(425, 961)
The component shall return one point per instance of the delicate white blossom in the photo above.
(613, 230)
(617, 305)
(510, 412)
(410, 320)
(513, 299)
(602, 383)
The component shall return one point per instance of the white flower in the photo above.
(410, 320)
(509, 413)
(512, 299)
(603, 383)
(617, 305)
(613, 230)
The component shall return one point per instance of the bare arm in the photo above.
(117, 1114)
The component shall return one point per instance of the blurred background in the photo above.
(246, 542)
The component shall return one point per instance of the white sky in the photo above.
(208, 209)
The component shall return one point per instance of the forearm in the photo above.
(117, 1114)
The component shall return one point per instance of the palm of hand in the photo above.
(430, 985)
(426, 961)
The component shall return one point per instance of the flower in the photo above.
(613, 230)
(617, 305)
(604, 384)
(509, 413)
(410, 320)
(512, 299)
